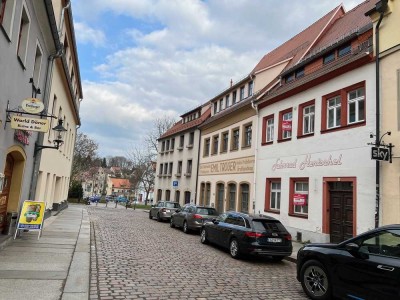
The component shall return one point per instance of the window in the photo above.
(273, 194)
(299, 200)
(227, 101)
(329, 58)
(160, 171)
(202, 193)
(179, 171)
(37, 66)
(386, 243)
(247, 135)
(181, 141)
(244, 197)
(241, 93)
(165, 168)
(208, 194)
(221, 104)
(215, 108)
(285, 125)
(306, 118)
(207, 147)
(233, 97)
(162, 146)
(215, 144)
(7, 15)
(170, 168)
(232, 196)
(22, 44)
(189, 167)
(167, 145)
(346, 49)
(356, 105)
(289, 78)
(268, 129)
(172, 144)
(299, 73)
(334, 112)
(167, 195)
(225, 140)
(250, 89)
(235, 139)
(191, 139)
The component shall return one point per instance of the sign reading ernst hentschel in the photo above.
(231, 166)
(33, 124)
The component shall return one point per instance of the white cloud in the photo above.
(85, 35)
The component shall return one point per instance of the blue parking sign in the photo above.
(175, 183)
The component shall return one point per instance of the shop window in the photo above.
(235, 139)
(215, 144)
(306, 119)
(207, 147)
(273, 194)
(244, 197)
(247, 134)
(285, 125)
(225, 141)
(232, 196)
(298, 197)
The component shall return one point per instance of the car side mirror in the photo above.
(354, 250)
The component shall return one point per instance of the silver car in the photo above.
(191, 217)
(163, 210)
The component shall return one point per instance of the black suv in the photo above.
(245, 234)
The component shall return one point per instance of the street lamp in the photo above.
(58, 141)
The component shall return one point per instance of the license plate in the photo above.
(274, 240)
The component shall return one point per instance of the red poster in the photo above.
(300, 199)
(287, 125)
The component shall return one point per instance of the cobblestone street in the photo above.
(133, 257)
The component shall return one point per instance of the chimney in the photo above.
(231, 82)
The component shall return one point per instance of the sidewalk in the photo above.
(57, 266)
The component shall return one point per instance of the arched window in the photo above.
(159, 194)
(167, 195)
(244, 197)
(232, 196)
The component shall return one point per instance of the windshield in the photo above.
(206, 211)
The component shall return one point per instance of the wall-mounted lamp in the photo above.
(58, 141)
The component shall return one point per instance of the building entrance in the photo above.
(8, 171)
(341, 211)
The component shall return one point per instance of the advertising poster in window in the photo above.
(300, 199)
(287, 125)
(32, 216)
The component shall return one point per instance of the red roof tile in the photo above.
(295, 48)
(120, 183)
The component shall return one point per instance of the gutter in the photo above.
(255, 107)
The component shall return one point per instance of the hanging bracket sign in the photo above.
(33, 124)
(32, 105)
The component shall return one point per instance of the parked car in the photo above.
(163, 210)
(95, 198)
(192, 217)
(122, 199)
(364, 267)
(244, 234)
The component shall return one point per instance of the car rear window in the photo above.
(206, 211)
(172, 205)
(262, 225)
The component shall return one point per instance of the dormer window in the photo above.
(289, 78)
(329, 58)
(299, 73)
(344, 50)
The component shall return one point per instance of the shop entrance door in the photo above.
(8, 170)
(341, 211)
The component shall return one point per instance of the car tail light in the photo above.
(254, 234)
(163, 210)
(288, 237)
(196, 216)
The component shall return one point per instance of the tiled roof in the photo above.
(180, 126)
(351, 22)
(120, 183)
(295, 48)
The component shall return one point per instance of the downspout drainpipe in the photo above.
(198, 167)
(255, 107)
(381, 10)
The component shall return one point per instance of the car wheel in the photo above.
(203, 236)
(234, 248)
(315, 281)
(185, 227)
(171, 223)
(150, 217)
(277, 258)
(158, 218)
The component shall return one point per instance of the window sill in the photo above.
(246, 147)
(189, 146)
(179, 148)
(298, 216)
(267, 143)
(223, 152)
(232, 150)
(349, 126)
(188, 174)
(305, 135)
(284, 140)
(272, 211)
(178, 175)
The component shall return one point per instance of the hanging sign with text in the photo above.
(33, 124)
(379, 153)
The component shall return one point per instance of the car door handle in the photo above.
(385, 268)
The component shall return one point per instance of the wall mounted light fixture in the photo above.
(58, 141)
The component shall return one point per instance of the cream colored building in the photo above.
(63, 100)
(389, 69)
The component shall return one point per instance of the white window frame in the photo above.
(270, 130)
(335, 105)
(308, 119)
(356, 101)
(275, 195)
(286, 134)
(297, 209)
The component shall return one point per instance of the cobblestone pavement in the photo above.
(133, 257)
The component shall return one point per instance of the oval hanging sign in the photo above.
(32, 105)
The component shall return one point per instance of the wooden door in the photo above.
(8, 170)
(341, 215)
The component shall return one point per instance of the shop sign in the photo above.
(31, 217)
(379, 153)
(308, 162)
(232, 166)
(300, 199)
(287, 125)
(32, 105)
(33, 124)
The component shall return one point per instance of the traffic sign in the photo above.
(175, 183)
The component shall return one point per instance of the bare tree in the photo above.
(161, 125)
(85, 156)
